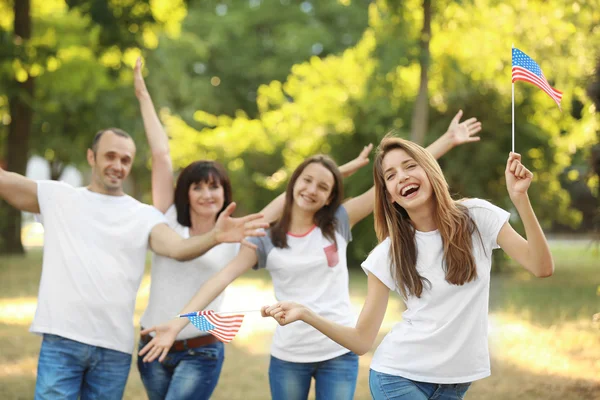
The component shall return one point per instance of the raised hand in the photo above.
(284, 312)
(234, 230)
(518, 178)
(352, 166)
(463, 132)
(160, 344)
(138, 80)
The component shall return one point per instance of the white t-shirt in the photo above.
(311, 271)
(174, 283)
(442, 337)
(94, 254)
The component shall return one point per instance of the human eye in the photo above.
(389, 177)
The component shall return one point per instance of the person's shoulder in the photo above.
(57, 185)
(48, 189)
(476, 203)
(383, 248)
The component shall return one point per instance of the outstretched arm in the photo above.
(166, 242)
(362, 160)
(19, 191)
(533, 253)
(166, 333)
(162, 168)
(358, 339)
(457, 133)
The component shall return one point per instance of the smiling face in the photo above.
(111, 162)
(313, 188)
(406, 182)
(206, 198)
(203, 189)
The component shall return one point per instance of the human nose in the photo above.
(403, 178)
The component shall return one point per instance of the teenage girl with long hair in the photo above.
(436, 253)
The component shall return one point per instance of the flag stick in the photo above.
(237, 312)
(513, 107)
(220, 312)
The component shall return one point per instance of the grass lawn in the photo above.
(543, 339)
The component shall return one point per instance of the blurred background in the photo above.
(261, 84)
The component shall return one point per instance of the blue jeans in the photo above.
(334, 379)
(188, 374)
(390, 387)
(71, 370)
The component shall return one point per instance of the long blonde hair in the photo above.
(451, 218)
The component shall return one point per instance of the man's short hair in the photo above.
(116, 131)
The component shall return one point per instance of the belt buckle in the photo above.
(185, 345)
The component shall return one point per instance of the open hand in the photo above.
(234, 230)
(518, 178)
(463, 132)
(352, 166)
(284, 312)
(160, 344)
(138, 79)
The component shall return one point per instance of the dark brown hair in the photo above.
(451, 218)
(199, 171)
(99, 134)
(325, 217)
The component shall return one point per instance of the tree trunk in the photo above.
(421, 111)
(17, 149)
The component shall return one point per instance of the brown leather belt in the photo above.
(182, 345)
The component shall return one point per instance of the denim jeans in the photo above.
(334, 379)
(188, 374)
(71, 370)
(391, 387)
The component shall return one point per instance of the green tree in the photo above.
(75, 51)
(340, 102)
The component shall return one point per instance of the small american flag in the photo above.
(525, 69)
(223, 327)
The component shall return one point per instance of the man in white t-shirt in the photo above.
(96, 239)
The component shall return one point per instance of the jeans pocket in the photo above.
(206, 352)
(461, 389)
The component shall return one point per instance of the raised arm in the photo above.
(166, 242)
(162, 167)
(359, 339)
(533, 253)
(19, 191)
(362, 160)
(166, 333)
(457, 133)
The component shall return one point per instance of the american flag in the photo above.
(223, 327)
(525, 69)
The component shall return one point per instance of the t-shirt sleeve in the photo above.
(343, 223)
(50, 194)
(378, 264)
(154, 217)
(171, 216)
(263, 246)
(488, 218)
